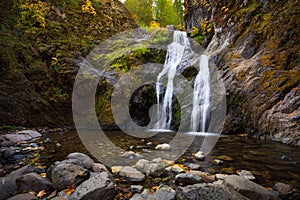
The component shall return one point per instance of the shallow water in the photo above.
(262, 158)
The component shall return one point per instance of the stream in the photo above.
(262, 158)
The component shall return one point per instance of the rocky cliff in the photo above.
(255, 44)
(41, 44)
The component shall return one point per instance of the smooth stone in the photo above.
(132, 174)
(149, 144)
(8, 183)
(68, 161)
(192, 166)
(47, 141)
(98, 167)
(98, 186)
(164, 146)
(200, 155)
(132, 155)
(221, 176)
(285, 158)
(246, 174)
(85, 160)
(64, 175)
(146, 195)
(164, 192)
(248, 188)
(206, 177)
(22, 136)
(285, 191)
(176, 169)
(150, 168)
(188, 178)
(116, 169)
(26, 196)
(207, 191)
(33, 182)
(136, 188)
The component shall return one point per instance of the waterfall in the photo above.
(174, 56)
(201, 98)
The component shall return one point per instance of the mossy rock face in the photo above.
(256, 46)
(38, 59)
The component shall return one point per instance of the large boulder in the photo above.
(132, 174)
(8, 183)
(248, 188)
(98, 186)
(64, 175)
(33, 182)
(150, 168)
(85, 160)
(21, 136)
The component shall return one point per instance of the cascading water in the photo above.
(174, 56)
(201, 97)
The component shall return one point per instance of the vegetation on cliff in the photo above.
(41, 44)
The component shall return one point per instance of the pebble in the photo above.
(47, 141)
(192, 166)
(200, 155)
(164, 146)
(218, 162)
(286, 158)
(136, 188)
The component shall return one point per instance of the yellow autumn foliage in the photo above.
(88, 8)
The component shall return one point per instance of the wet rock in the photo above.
(116, 169)
(248, 188)
(136, 188)
(164, 146)
(8, 183)
(69, 161)
(23, 197)
(285, 191)
(132, 174)
(98, 167)
(85, 160)
(200, 155)
(206, 191)
(150, 168)
(218, 162)
(33, 182)
(64, 175)
(98, 186)
(206, 177)
(246, 174)
(146, 195)
(164, 192)
(192, 166)
(188, 178)
(149, 144)
(47, 141)
(21, 136)
(175, 169)
(286, 158)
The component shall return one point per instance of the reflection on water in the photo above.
(262, 158)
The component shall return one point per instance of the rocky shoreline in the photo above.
(79, 177)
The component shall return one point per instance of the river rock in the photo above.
(221, 176)
(218, 162)
(98, 167)
(150, 168)
(8, 183)
(192, 166)
(285, 191)
(68, 161)
(85, 160)
(33, 182)
(136, 188)
(132, 174)
(21, 136)
(207, 191)
(64, 175)
(132, 155)
(164, 192)
(248, 188)
(26, 196)
(188, 178)
(206, 177)
(116, 169)
(199, 155)
(164, 146)
(146, 195)
(246, 174)
(98, 186)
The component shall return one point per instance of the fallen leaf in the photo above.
(70, 190)
(42, 167)
(44, 175)
(41, 194)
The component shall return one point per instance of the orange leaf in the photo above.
(70, 190)
(43, 175)
(41, 194)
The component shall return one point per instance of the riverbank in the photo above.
(43, 151)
